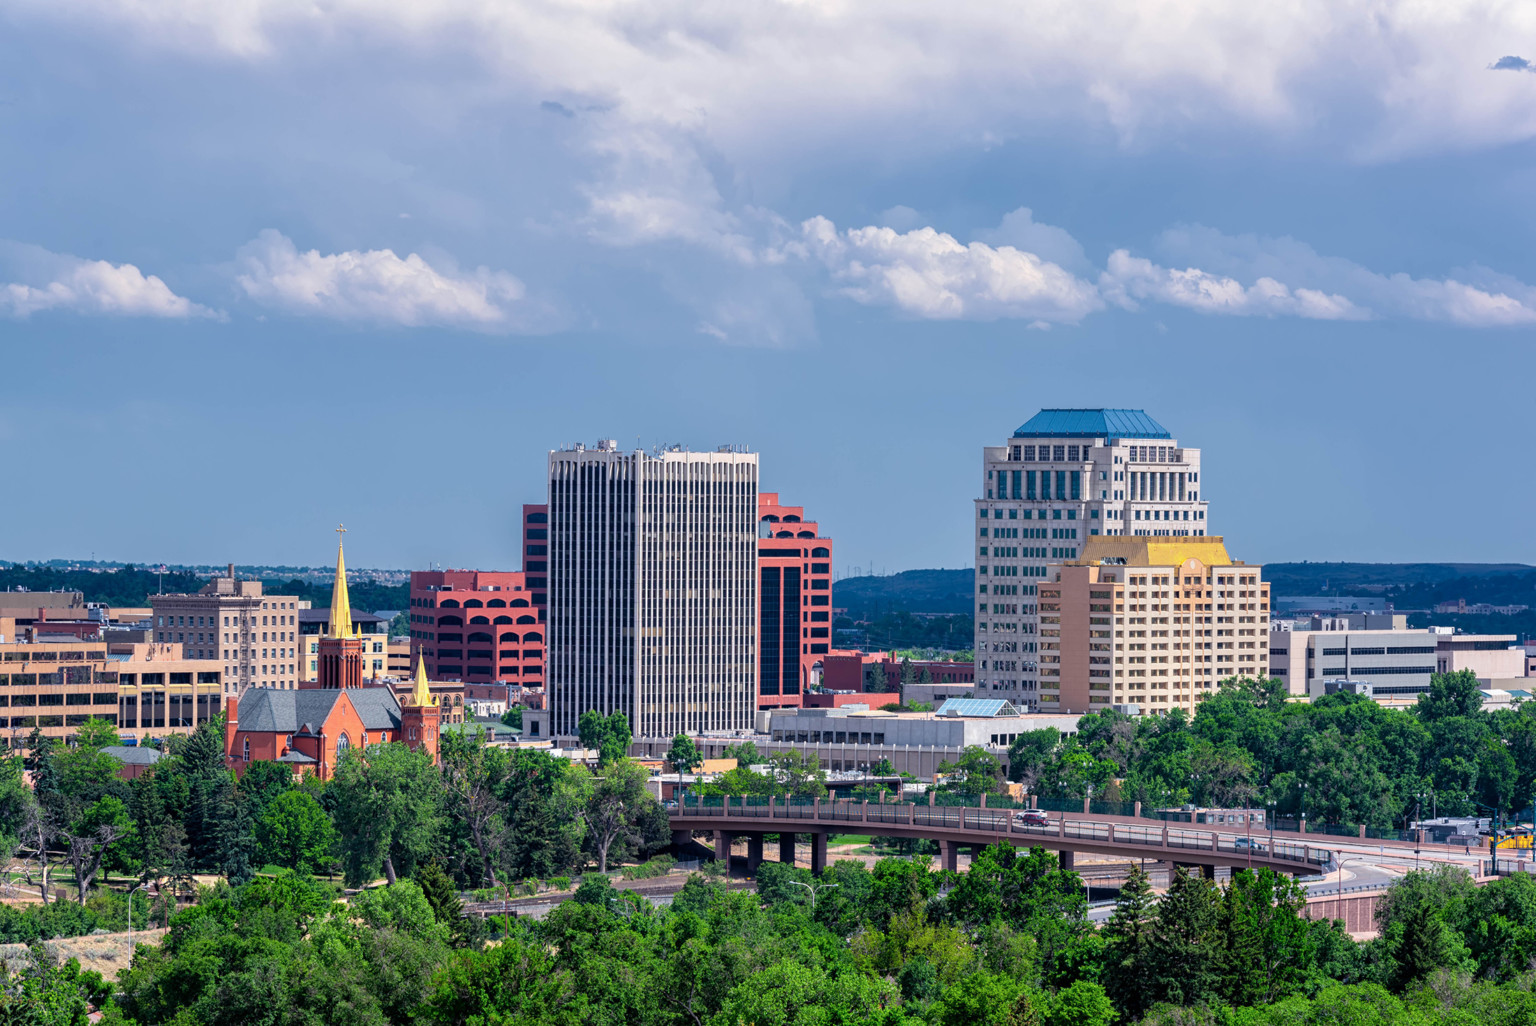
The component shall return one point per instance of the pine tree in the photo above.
(233, 835)
(1128, 936)
(439, 892)
(1186, 941)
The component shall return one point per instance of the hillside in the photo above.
(911, 591)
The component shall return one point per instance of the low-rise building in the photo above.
(249, 635)
(1346, 653)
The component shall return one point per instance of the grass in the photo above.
(107, 953)
(849, 839)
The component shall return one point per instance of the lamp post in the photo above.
(1303, 806)
(130, 909)
(812, 889)
(1338, 891)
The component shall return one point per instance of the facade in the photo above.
(1389, 665)
(251, 637)
(653, 596)
(371, 631)
(794, 571)
(1157, 623)
(478, 626)
(1488, 656)
(536, 555)
(145, 690)
(1064, 477)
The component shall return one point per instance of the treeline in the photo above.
(127, 586)
(363, 594)
(1005, 943)
(904, 630)
(483, 815)
(1351, 761)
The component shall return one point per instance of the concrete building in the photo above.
(1064, 477)
(653, 597)
(1153, 622)
(146, 690)
(478, 626)
(794, 568)
(252, 637)
(850, 738)
(1396, 663)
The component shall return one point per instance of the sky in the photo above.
(271, 265)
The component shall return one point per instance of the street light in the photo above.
(130, 910)
(1338, 892)
(1303, 806)
(812, 889)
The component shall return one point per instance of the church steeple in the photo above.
(422, 693)
(341, 605)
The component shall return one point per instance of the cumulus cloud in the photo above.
(927, 273)
(375, 286)
(1129, 279)
(56, 281)
(1472, 297)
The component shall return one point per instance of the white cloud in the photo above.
(374, 286)
(1472, 297)
(1129, 279)
(1020, 229)
(56, 281)
(929, 274)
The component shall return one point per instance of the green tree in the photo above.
(1267, 947)
(101, 829)
(513, 718)
(262, 782)
(1187, 941)
(1129, 949)
(744, 752)
(389, 811)
(294, 832)
(1081, 1004)
(977, 771)
(473, 774)
(621, 813)
(684, 757)
(96, 734)
(544, 798)
(608, 735)
(1450, 694)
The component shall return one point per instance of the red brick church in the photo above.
(310, 728)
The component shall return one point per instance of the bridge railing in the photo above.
(1004, 821)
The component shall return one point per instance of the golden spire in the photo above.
(421, 694)
(341, 606)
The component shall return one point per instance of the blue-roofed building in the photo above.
(1066, 475)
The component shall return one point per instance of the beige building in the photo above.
(145, 690)
(251, 636)
(373, 632)
(1154, 622)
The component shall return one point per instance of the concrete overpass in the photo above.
(954, 827)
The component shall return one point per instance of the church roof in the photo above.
(1091, 424)
(280, 711)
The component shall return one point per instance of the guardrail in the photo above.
(1004, 821)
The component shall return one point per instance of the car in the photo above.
(1032, 817)
(1246, 842)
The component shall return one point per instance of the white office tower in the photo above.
(1065, 476)
(653, 588)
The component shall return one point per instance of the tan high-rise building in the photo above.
(1154, 622)
(253, 637)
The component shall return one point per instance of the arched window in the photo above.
(508, 636)
(247, 749)
(805, 534)
(538, 518)
(533, 636)
(343, 743)
(449, 603)
(365, 740)
(450, 621)
(519, 603)
(527, 619)
(785, 534)
(791, 519)
(503, 619)
(496, 604)
(474, 604)
(479, 619)
(821, 553)
(479, 636)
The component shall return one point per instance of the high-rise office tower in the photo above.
(1065, 476)
(653, 588)
(794, 572)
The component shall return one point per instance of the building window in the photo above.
(343, 743)
(246, 750)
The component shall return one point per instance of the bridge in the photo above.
(1201, 847)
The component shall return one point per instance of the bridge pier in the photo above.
(723, 841)
(754, 853)
(951, 855)
(1066, 858)
(682, 838)
(787, 848)
(818, 853)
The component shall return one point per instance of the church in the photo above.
(310, 729)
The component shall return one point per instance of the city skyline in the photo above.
(860, 241)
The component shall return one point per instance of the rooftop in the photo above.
(1133, 550)
(133, 755)
(976, 707)
(1091, 424)
(275, 710)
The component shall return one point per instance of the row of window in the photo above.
(495, 603)
(1037, 485)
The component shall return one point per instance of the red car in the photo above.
(1032, 817)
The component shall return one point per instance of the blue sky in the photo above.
(266, 265)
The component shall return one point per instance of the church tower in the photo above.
(341, 653)
(420, 714)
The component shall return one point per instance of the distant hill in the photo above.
(1407, 585)
(911, 591)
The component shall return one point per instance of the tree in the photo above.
(800, 775)
(388, 806)
(90, 837)
(744, 752)
(544, 796)
(1129, 944)
(96, 733)
(472, 774)
(262, 782)
(977, 771)
(1030, 753)
(1082, 1004)
(618, 808)
(1187, 941)
(1450, 694)
(294, 832)
(608, 735)
(1267, 946)
(684, 757)
(513, 718)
